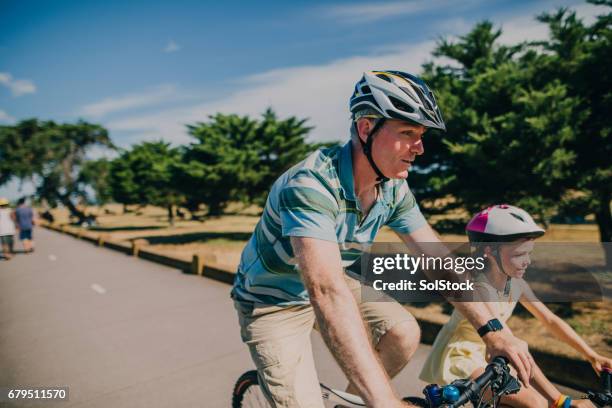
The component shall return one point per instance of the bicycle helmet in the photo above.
(397, 95)
(393, 95)
(502, 223)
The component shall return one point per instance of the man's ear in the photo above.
(364, 127)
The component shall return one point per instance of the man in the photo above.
(7, 228)
(25, 220)
(318, 216)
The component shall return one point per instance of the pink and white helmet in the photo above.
(502, 223)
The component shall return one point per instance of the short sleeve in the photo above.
(406, 216)
(308, 209)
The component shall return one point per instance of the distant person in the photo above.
(7, 229)
(25, 220)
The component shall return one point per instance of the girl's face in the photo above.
(516, 257)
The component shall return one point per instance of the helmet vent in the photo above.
(383, 76)
(399, 105)
(410, 95)
(518, 217)
(366, 90)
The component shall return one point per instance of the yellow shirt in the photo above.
(458, 349)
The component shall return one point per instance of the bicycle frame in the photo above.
(340, 397)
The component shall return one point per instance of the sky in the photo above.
(146, 69)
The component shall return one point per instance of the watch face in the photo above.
(496, 325)
(492, 325)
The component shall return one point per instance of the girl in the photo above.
(458, 351)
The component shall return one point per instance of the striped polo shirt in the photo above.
(316, 199)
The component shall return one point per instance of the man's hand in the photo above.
(503, 343)
(599, 362)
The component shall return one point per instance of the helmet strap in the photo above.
(367, 148)
(501, 268)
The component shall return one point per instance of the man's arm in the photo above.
(499, 343)
(340, 321)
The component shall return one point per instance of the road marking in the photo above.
(97, 288)
(52, 258)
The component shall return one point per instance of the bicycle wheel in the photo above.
(419, 402)
(247, 392)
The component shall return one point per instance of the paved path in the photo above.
(124, 332)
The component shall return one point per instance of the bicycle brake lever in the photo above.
(511, 386)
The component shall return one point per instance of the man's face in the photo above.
(395, 146)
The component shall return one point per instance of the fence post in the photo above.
(135, 247)
(197, 265)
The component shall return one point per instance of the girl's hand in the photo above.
(599, 362)
(582, 403)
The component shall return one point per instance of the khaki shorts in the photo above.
(279, 341)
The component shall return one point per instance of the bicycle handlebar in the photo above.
(497, 367)
(460, 392)
(497, 376)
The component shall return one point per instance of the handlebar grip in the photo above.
(480, 382)
(606, 380)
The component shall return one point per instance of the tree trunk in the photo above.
(604, 221)
(170, 214)
(65, 199)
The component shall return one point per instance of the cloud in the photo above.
(18, 87)
(317, 92)
(15, 189)
(5, 117)
(163, 93)
(369, 12)
(172, 47)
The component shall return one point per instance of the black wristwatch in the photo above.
(492, 325)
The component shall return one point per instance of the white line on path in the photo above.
(97, 288)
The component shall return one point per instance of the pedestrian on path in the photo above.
(7, 228)
(25, 219)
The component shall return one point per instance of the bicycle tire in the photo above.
(247, 386)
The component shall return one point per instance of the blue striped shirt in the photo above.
(316, 199)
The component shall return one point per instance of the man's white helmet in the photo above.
(397, 95)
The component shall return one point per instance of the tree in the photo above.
(238, 158)
(528, 124)
(143, 175)
(96, 174)
(507, 140)
(50, 155)
(21, 153)
(580, 57)
(123, 187)
(216, 167)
